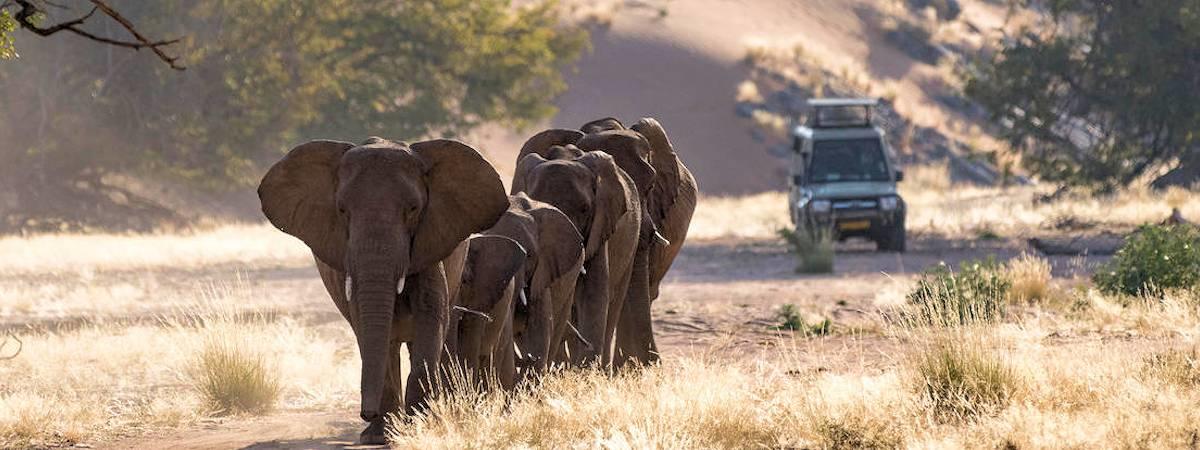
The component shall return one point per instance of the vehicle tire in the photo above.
(892, 239)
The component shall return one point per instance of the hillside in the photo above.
(683, 61)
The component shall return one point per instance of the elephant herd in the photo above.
(419, 244)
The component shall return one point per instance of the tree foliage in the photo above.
(264, 75)
(1103, 93)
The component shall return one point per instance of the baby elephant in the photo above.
(480, 337)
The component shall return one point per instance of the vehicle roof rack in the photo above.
(841, 112)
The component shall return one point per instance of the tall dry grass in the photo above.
(103, 380)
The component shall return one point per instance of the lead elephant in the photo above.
(601, 200)
(379, 218)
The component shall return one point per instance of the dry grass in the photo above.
(961, 212)
(242, 245)
(102, 380)
(1030, 277)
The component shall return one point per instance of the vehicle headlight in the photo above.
(803, 201)
(821, 206)
(889, 203)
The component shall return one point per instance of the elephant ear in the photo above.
(298, 197)
(662, 153)
(560, 243)
(630, 150)
(465, 195)
(605, 124)
(611, 201)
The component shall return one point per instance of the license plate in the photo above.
(854, 225)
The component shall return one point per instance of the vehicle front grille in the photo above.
(855, 204)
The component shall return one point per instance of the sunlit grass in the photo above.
(244, 245)
(94, 382)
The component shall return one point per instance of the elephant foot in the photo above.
(373, 434)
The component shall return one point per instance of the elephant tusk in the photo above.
(578, 335)
(662, 240)
(582, 270)
(524, 299)
(349, 286)
(471, 311)
(400, 285)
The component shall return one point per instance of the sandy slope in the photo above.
(684, 68)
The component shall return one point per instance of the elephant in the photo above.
(601, 200)
(546, 287)
(480, 336)
(669, 200)
(379, 218)
(544, 282)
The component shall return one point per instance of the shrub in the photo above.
(232, 376)
(813, 248)
(959, 380)
(976, 294)
(1177, 367)
(790, 319)
(1030, 277)
(1153, 259)
(856, 432)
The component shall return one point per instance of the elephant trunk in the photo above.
(377, 268)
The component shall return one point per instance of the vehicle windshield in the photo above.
(847, 160)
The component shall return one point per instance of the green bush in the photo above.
(790, 319)
(813, 247)
(976, 294)
(1153, 259)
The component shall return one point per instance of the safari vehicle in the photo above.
(843, 175)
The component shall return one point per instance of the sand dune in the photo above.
(684, 68)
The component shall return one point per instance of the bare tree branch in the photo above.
(29, 11)
(4, 345)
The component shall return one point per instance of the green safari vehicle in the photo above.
(843, 175)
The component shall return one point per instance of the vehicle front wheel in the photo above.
(892, 239)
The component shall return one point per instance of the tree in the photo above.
(29, 13)
(264, 75)
(1106, 92)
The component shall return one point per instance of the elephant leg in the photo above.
(470, 335)
(562, 322)
(617, 301)
(591, 312)
(430, 312)
(503, 359)
(635, 335)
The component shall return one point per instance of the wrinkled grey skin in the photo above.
(669, 200)
(544, 284)
(480, 336)
(601, 201)
(380, 217)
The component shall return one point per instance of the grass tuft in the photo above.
(1030, 278)
(790, 319)
(232, 376)
(975, 294)
(962, 379)
(1178, 367)
(813, 248)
